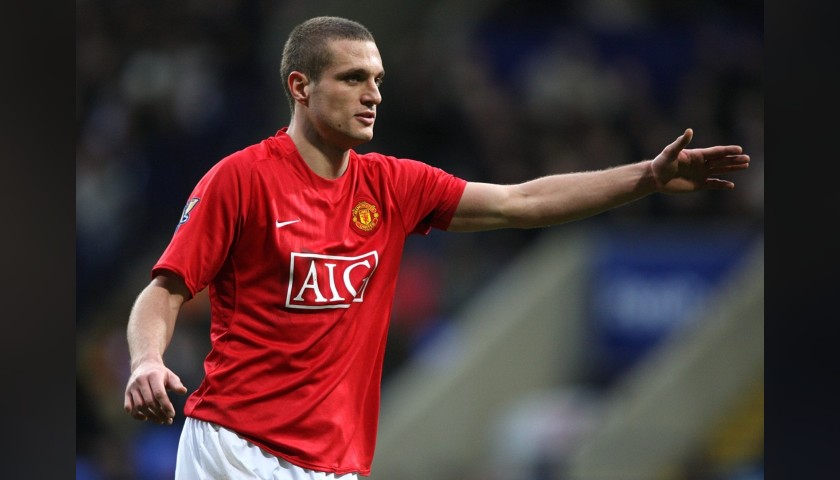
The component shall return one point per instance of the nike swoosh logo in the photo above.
(283, 224)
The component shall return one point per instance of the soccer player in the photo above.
(299, 238)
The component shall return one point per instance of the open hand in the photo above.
(680, 170)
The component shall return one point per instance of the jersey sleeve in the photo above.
(208, 226)
(429, 195)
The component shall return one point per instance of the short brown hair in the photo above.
(307, 51)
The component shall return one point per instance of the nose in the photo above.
(372, 95)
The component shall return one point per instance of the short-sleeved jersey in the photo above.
(301, 272)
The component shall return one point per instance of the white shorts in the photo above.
(207, 451)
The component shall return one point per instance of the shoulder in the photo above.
(390, 163)
(252, 156)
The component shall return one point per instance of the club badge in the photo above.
(366, 217)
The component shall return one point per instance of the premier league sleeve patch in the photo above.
(185, 215)
(366, 217)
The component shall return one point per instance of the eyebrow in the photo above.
(360, 71)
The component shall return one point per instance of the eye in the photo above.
(354, 78)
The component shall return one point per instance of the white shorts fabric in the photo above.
(209, 452)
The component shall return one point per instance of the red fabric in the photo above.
(301, 273)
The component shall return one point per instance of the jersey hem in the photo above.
(293, 460)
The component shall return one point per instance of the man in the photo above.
(299, 239)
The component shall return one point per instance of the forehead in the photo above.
(355, 54)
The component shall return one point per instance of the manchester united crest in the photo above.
(366, 216)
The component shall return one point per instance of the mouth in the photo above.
(367, 118)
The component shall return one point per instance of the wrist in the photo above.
(145, 359)
(647, 181)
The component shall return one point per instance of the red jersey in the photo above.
(301, 273)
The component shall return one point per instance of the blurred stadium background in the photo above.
(626, 346)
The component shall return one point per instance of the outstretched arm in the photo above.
(562, 198)
(151, 324)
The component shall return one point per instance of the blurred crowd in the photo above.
(517, 90)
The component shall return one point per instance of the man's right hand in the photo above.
(146, 396)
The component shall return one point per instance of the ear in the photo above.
(298, 85)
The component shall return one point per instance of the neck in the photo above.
(326, 160)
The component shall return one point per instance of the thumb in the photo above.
(173, 382)
(672, 151)
(682, 141)
(687, 135)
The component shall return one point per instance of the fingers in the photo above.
(146, 397)
(133, 407)
(139, 410)
(143, 404)
(723, 166)
(720, 151)
(718, 184)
